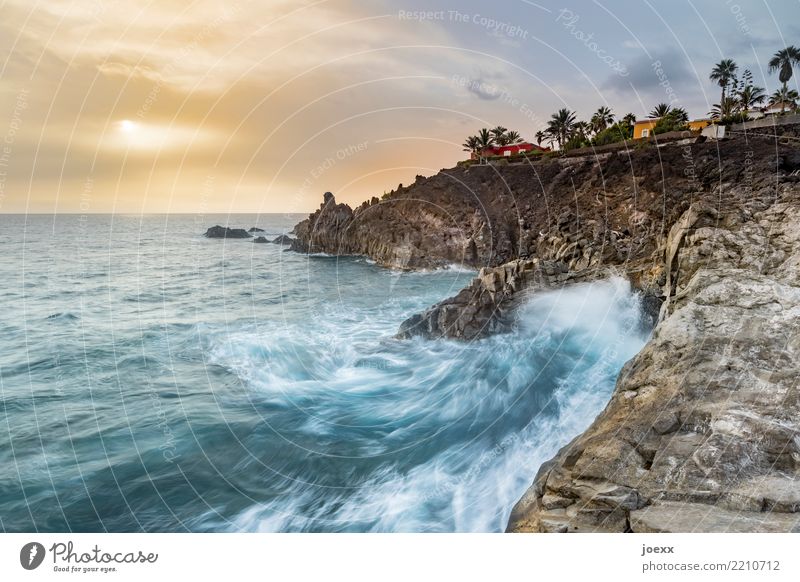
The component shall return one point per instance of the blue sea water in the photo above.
(155, 380)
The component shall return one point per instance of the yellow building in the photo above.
(644, 128)
(698, 124)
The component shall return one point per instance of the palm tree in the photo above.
(629, 119)
(601, 119)
(679, 114)
(499, 135)
(581, 129)
(726, 108)
(539, 137)
(750, 96)
(513, 137)
(661, 110)
(783, 61)
(784, 95)
(561, 125)
(485, 139)
(471, 145)
(723, 73)
(551, 136)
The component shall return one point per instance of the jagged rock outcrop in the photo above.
(225, 232)
(487, 305)
(702, 432)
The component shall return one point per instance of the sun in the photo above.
(128, 126)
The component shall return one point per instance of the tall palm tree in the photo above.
(783, 61)
(539, 137)
(513, 137)
(661, 110)
(750, 96)
(499, 135)
(485, 139)
(601, 119)
(561, 125)
(726, 108)
(723, 73)
(471, 145)
(629, 119)
(784, 95)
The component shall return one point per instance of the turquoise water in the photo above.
(155, 380)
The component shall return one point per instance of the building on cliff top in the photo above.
(508, 150)
(644, 127)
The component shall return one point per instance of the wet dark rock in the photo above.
(225, 232)
(283, 240)
(260, 239)
(255, 229)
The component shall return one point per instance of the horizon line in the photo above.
(140, 213)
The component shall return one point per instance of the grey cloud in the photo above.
(483, 89)
(486, 86)
(644, 76)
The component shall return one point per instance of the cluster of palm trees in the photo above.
(567, 131)
(487, 138)
(739, 95)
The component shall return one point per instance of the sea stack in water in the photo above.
(260, 239)
(225, 232)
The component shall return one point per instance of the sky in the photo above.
(261, 106)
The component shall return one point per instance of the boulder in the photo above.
(225, 232)
(260, 239)
(283, 240)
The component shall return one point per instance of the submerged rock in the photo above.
(225, 232)
(283, 240)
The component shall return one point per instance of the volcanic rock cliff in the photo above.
(702, 432)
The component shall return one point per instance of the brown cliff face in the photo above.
(610, 209)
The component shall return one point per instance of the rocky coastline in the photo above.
(702, 432)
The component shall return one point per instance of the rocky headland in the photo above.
(702, 432)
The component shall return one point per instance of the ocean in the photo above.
(155, 380)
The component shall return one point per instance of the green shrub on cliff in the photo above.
(674, 120)
(575, 142)
(618, 132)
